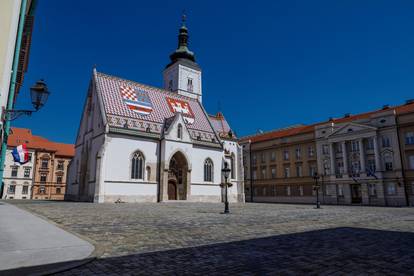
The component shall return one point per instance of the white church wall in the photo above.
(118, 154)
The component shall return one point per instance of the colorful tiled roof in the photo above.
(20, 136)
(221, 126)
(118, 114)
(401, 109)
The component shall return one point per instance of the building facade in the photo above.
(16, 24)
(140, 143)
(18, 179)
(44, 176)
(51, 172)
(364, 159)
(282, 165)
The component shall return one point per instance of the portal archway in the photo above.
(178, 177)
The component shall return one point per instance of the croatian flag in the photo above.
(20, 154)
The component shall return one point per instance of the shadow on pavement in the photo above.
(330, 251)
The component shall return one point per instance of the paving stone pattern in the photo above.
(182, 238)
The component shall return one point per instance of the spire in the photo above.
(182, 52)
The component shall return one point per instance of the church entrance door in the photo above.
(177, 177)
(172, 190)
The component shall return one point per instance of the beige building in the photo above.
(365, 159)
(282, 164)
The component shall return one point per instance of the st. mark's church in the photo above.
(141, 143)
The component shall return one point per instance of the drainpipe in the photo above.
(12, 88)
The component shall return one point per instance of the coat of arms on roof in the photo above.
(182, 107)
(137, 100)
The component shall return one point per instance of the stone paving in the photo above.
(182, 238)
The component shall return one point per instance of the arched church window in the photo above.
(137, 166)
(232, 167)
(190, 85)
(180, 131)
(148, 171)
(208, 170)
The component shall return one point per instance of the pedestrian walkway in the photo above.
(27, 240)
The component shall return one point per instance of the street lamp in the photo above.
(39, 94)
(226, 172)
(316, 188)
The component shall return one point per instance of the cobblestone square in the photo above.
(255, 239)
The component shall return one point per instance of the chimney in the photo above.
(347, 115)
(385, 106)
(410, 101)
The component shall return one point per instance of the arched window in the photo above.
(148, 171)
(208, 170)
(180, 131)
(232, 167)
(137, 166)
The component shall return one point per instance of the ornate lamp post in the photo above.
(39, 94)
(316, 188)
(226, 172)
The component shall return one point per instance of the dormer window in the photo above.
(189, 84)
(180, 131)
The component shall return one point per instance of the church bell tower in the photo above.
(183, 75)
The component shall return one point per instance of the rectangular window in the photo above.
(58, 191)
(301, 190)
(273, 170)
(370, 143)
(288, 190)
(43, 177)
(26, 172)
(372, 190)
(325, 149)
(354, 146)
(12, 189)
(45, 163)
(14, 171)
(388, 166)
(411, 162)
(311, 151)
(287, 172)
(339, 148)
(42, 189)
(391, 189)
(312, 170)
(273, 156)
(386, 142)
(25, 190)
(59, 179)
(286, 155)
(299, 171)
(263, 173)
(60, 165)
(371, 165)
(297, 153)
(340, 190)
(339, 168)
(254, 159)
(263, 157)
(409, 138)
(254, 174)
(30, 157)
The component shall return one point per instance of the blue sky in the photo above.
(268, 64)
